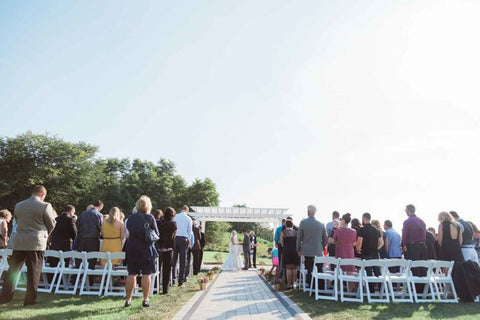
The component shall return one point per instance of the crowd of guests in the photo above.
(343, 237)
(37, 227)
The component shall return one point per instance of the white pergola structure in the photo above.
(238, 214)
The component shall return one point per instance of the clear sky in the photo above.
(349, 105)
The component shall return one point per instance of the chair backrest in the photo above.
(74, 255)
(96, 255)
(443, 267)
(53, 254)
(117, 255)
(351, 262)
(380, 263)
(427, 264)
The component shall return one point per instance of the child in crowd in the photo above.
(275, 260)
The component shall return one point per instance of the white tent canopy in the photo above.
(238, 214)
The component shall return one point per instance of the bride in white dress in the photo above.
(233, 262)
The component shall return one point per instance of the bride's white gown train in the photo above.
(234, 261)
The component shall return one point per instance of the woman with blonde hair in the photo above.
(5, 217)
(381, 251)
(449, 238)
(112, 232)
(141, 253)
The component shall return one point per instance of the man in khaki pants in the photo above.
(35, 221)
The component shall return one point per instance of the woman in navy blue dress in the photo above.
(141, 255)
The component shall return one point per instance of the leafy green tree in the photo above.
(66, 169)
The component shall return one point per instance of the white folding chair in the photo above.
(68, 271)
(94, 289)
(45, 285)
(329, 278)
(382, 295)
(398, 282)
(443, 282)
(114, 273)
(155, 283)
(428, 294)
(302, 274)
(344, 279)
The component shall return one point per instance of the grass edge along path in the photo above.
(52, 306)
(324, 309)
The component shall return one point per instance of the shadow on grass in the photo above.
(322, 309)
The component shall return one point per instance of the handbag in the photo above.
(150, 234)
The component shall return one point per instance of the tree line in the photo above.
(74, 174)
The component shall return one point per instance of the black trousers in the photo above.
(165, 263)
(417, 251)
(180, 251)
(370, 271)
(34, 261)
(88, 245)
(197, 260)
(246, 258)
(253, 258)
(309, 267)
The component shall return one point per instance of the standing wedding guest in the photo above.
(64, 233)
(369, 241)
(288, 239)
(158, 215)
(476, 238)
(253, 251)
(468, 247)
(278, 245)
(188, 264)
(356, 225)
(393, 241)
(182, 243)
(196, 248)
(331, 241)
(89, 225)
(381, 252)
(430, 243)
(437, 246)
(113, 233)
(5, 217)
(414, 235)
(35, 221)
(167, 229)
(330, 225)
(202, 243)
(311, 240)
(449, 238)
(246, 249)
(141, 254)
(345, 239)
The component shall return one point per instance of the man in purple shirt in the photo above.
(413, 240)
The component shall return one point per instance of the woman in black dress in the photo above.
(449, 238)
(167, 228)
(288, 239)
(141, 255)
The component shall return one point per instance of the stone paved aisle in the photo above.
(240, 295)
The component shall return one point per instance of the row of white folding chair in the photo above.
(399, 286)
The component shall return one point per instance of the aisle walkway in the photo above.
(240, 295)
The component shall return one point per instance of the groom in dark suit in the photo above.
(246, 249)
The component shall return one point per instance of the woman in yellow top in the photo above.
(112, 231)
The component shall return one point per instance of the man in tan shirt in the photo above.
(35, 220)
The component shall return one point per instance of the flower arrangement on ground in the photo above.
(203, 283)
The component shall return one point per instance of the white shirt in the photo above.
(184, 225)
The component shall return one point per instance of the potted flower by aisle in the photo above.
(203, 283)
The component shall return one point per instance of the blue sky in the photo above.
(352, 106)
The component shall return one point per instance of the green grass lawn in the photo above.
(209, 257)
(337, 310)
(52, 306)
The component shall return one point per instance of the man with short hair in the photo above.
(253, 252)
(369, 240)
(329, 227)
(246, 249)
(64, 233)
(468, 246)
(393, 243)
(182, 243)
(89, 226)
(414, 235)
(35, 220)
(311, 240)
